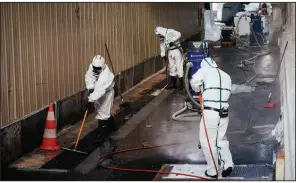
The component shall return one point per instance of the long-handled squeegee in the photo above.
(78, 137)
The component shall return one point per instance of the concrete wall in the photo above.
(278, 19)
(287, 84)
(46, 47)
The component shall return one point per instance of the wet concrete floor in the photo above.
(249, 131)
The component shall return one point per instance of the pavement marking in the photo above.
(43, 170)
(264, 126)
(234, 132)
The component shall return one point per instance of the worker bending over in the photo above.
(169, 38)
(99, 83)
(215, 86)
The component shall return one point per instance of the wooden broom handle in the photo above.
(85, 114)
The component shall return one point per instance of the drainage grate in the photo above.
(251, 171)
(240, 172)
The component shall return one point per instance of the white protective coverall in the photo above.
(207, 81)
(174, 54)
(103, 84)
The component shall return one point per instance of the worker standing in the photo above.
(169, 43)
(215, 86)
(99, 83)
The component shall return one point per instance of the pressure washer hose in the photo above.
(100, 160)
(188, 66)
(176, 116)
(253, 68)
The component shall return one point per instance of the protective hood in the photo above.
(160, 30)
(208, 62)
(98, 61)
(98, 65)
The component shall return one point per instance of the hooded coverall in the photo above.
(207, 81)
(175, 56)
(102, 84)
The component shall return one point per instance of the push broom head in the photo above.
(125, 105)
(269, 103)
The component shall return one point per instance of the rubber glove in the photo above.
(90, 91)
(90, 100)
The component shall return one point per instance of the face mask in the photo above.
(97, 70)
(160, 36)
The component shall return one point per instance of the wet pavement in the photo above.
(249, 131)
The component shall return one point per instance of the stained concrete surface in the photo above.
(249, 130)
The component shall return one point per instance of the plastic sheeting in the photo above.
(252, 7)
(212, 31)
(278, 132)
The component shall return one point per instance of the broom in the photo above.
(269, 103)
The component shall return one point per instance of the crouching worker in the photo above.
(215, 86)
(99, 83)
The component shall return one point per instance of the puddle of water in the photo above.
(156, 92)
(264, 80)
(235, 89)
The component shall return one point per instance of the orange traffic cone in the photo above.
(49, 141)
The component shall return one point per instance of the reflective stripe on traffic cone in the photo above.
(49, 141)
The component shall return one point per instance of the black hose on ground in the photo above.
(189, 65)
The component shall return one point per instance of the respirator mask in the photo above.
(97, 70)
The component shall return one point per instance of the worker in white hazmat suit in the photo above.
(100, 82)
(172, 52)
(215, 86)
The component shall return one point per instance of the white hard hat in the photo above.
(98, 61)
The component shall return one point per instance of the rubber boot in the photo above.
(180, 87)
(102, 131)
(114, 124)
(172, 82)
(227, 172)
(212, 176)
